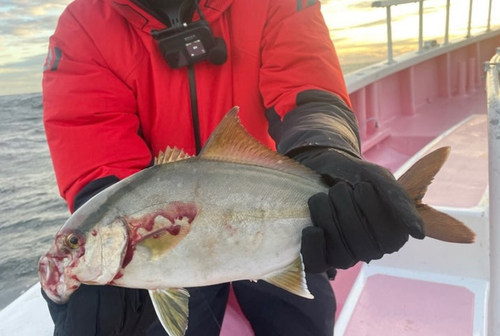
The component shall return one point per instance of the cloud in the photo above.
(25, 28)
(35, 60)
(29, 17)
(369, 23)
(363, 25)
(28, 26)
(46, 8)
(23, 76)
(365, 5)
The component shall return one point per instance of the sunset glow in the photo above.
(357, 29)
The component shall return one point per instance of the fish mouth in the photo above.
(54, 280)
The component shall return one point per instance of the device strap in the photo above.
(194, 108)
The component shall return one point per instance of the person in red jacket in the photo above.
(124, 79)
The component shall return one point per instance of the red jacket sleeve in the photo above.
(90, 117)
(297, 55)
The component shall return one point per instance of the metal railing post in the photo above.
(420, 25)
(489, 17)
(388, 4)
(447, 24)
(470, 20)
(390, 58)
(493, 94)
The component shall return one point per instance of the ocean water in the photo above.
(31, 210)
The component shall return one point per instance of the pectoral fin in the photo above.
(292, 279)
(171, 306)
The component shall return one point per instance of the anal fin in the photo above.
(171, 306)
(292, 279)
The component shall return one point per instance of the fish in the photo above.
(234, 212)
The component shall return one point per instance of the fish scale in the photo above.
(242, 210)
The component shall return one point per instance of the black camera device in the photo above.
(194, 42)
(185, 44)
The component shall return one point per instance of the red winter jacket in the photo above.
(111, 102)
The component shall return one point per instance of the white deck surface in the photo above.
(27, 316)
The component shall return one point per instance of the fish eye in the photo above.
(72, 241)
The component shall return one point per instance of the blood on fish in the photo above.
(231, 229)
(172, 212)
(128, 255)
(174, 230)
(50, 278)
(119, 275)
(94, 233)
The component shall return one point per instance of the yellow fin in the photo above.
(230, 142)
(292, 279)
(415, 181)
(171, 306)
(171, 155)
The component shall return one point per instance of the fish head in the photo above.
(83, 253)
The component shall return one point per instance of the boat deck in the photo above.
(395, 306)
(431, 287)
(408, 134)
(394, 297)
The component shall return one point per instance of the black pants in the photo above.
(270, 310)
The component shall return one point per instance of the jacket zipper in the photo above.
(194, 108)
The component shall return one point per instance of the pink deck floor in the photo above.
(465, 174)
(393, 306)
(406, 135)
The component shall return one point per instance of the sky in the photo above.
(25, 26)
(357, 29)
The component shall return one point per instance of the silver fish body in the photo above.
(236, 221)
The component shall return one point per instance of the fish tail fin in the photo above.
(415, 181)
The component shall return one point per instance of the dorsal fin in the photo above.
(170, 155)
(230, 142)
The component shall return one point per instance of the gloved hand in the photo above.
(365, 215)
(103, 311)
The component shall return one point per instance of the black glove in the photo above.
(103, 311)
(365, 215)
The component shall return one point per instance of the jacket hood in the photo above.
(134, 13)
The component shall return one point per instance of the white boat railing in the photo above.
(488, 27)
(492, 87)
(389, 3)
